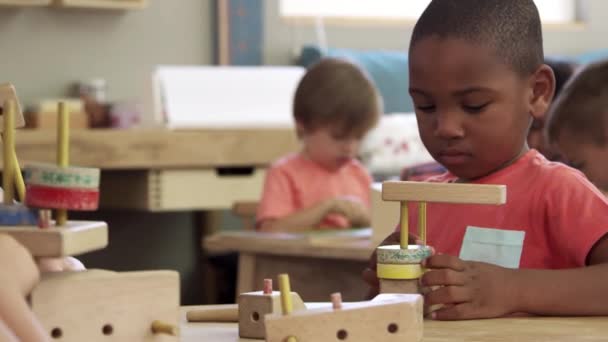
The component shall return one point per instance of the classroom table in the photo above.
(318, 263)
(533, 329)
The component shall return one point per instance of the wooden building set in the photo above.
(98, 305)
(91, 305)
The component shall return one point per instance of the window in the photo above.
(551, 11)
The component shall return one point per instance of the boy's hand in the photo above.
(469, 290)
(369, 274)
(353, 209)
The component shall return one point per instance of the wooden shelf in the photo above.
(160, 148)
(103, 4)
(19, 3)
(77, 238)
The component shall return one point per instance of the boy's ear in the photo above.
(543, 87)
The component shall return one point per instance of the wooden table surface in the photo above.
(111, 149)
(535, 329)
(349, 245)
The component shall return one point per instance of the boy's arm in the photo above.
(474, 290)
(582, 291)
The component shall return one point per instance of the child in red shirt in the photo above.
(478, 79)
(324, 186)
(578, 123)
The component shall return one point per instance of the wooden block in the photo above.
(384, 215)
(254, 306)
(399, 286)
(444, 192)
(44, 116)
(107, 306)
(8, 92)
(61, 177)
(17, 215)
(386, 318)
(76, 238)
(62, 198)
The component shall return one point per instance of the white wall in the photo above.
(45, 49)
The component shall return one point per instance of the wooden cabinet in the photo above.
(99, 4)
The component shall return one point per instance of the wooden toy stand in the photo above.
(91, 305)
(399, 266)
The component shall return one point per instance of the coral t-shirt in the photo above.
(295, 182)
(556, 210)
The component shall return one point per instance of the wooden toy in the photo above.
(48, 187)
(254, 306)
(385, 318)
(399, 266)
(99, 305)
(90, 305)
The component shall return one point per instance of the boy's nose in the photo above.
(449, 126)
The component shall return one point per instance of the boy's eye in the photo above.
(475, 108)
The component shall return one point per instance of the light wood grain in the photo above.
(320, 246)
(161, 148)
(532, 329)
(18, 3)
(185, 189)
(360, 322)
(253, 308)
(75, 238)
(103, 4)
(444, 192)
(107, 306)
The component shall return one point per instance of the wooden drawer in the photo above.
(180, 189)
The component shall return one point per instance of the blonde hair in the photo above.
(337, 94)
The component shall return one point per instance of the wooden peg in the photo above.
(404, 237)
(267, 286)
(336, 300)
(63, 151)
(8, 173)
(422, 222)
(159, 327)
(230, 314)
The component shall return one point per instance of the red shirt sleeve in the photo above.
(578, 216)
(277, 196)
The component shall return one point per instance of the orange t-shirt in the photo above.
(562, 214)
(296, 182)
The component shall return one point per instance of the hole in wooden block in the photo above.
(342, 334)
(56, 333)
(392, 328)
(107, 329)
(1, 110)
(255, 316)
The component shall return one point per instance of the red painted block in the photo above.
(60, 198)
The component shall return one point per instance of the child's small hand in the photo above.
(353, 209)
(370, 275)
(467, 289)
